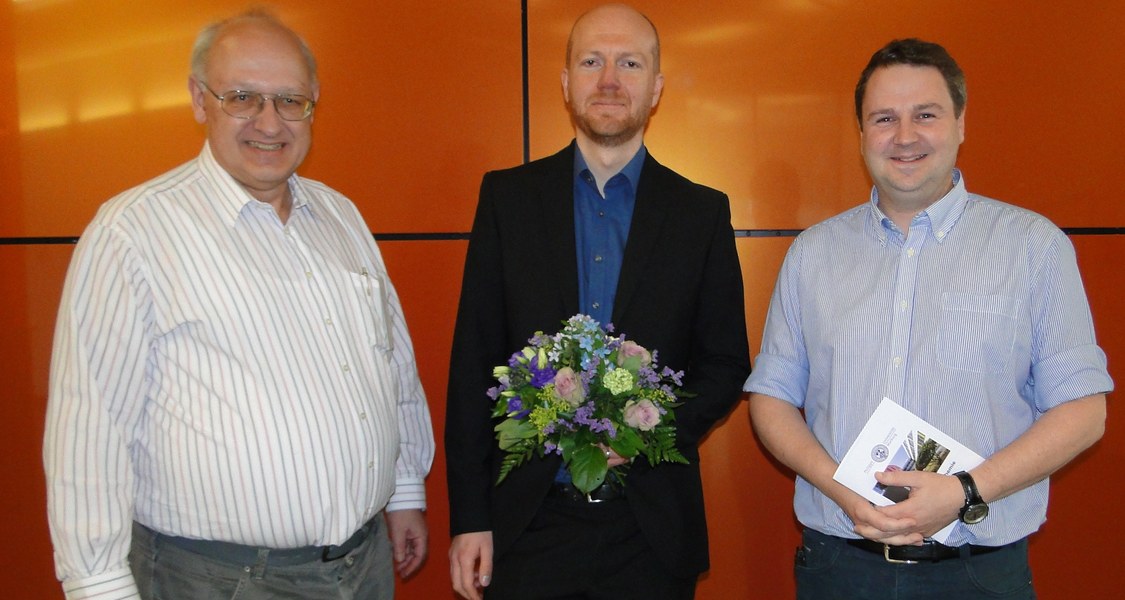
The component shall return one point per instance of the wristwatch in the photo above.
(975, 509)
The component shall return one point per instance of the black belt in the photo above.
(277, 557)
(929, 551)
(608, 490)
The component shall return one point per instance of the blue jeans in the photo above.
(827, 568)
(166, 572)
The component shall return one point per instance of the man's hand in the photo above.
(470, 563)
(409, 539)
(935, 500)
(873, 523)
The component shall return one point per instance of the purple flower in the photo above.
(515, 408)
(541, 376)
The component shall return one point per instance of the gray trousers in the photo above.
(166, 572)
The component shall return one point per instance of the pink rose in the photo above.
(642, 415)
(568, 387)
(633, 356)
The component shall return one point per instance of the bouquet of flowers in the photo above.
(580, 391)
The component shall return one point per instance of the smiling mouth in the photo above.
(910, 159)
(261, 146)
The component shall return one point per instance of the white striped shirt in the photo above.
(220, 375)
(977, 322)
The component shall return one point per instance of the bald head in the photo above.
(617, 20)
(253, 21)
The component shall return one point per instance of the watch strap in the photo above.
(972, 494)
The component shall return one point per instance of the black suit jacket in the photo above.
(680, 293)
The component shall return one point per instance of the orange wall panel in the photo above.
(32, 279)
(758, 98)
(405, 124)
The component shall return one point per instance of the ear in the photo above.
(657, 89)
(565, 77)
(961, 124)
(316, 98)
(197, 100)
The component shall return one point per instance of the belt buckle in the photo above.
(593, 500)
(887, 557)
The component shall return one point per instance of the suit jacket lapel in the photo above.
(561, 253)
(649, 214)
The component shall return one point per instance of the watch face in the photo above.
(974, 514)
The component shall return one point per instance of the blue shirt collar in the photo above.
(942, 215)
(631, 171)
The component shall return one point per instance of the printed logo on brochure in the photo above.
(880, 453)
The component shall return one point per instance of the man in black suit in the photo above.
(600, 228)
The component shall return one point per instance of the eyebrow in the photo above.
(929, 106)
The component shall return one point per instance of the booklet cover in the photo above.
(895, 439)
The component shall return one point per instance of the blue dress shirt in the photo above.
(975, 320)
(601, 227)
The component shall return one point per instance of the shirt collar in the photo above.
(631, 171)
(942, 215)
(232, 198)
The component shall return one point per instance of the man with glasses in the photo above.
(234, 403)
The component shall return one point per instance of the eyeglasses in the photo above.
(241, 104)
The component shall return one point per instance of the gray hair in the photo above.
(201, 50)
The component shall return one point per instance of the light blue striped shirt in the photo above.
(977, 322)
(220, 375)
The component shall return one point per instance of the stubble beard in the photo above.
(612, 133)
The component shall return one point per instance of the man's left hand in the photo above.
(409, 539)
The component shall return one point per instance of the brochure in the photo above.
(895, 439)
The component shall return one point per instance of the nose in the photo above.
(267, 120)
(608, 77)
(906, 133)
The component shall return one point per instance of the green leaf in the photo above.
(587, 468)
(511, 461)
(514, 432)
(628, 442)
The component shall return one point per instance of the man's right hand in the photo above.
(470, 563)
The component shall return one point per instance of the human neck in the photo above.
(902, 210)
(606, 161)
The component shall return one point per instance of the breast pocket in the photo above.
(978, 332)
(371, 293)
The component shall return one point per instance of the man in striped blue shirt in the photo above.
(234, 406)
(966, 311)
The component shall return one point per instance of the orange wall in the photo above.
(419, 99)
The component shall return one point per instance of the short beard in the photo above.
(629, 129)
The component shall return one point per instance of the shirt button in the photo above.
(902, 305)
(349, 561)
(328, 320)
(598, 258)
(346, 368)
(910, 252)
(597, 305)
(601, 213)
(897, 361)
(362, 415)
(308, 274)
(371, 465)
